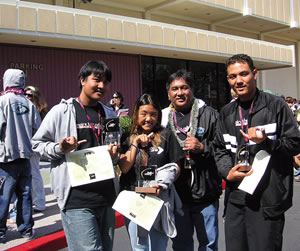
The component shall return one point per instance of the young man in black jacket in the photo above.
(199, 184)
(254, 122)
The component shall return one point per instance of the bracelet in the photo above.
(135, 147)
(137, 152)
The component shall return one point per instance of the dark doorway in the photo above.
(211, 84)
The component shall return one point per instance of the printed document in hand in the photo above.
(140, 208)
(259, 167)
(89, 165)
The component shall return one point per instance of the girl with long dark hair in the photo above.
(155, 149)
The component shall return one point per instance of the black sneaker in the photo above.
(2, 239)
(28, 234)
(36, 210)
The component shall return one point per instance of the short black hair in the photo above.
(240, 58)
(182, 73)
(98, 68)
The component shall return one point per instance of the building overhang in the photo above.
(26, 23)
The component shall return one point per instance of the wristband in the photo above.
(137, 152)
(135, 147)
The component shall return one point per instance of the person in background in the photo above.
(297, 105)
(297, 157)
(257, 122)
(291, 103)
(117, 104)
(199, 185)
(297, 117)
(154, 148)
(34, 95)
(19, 119)
(233, 94)
(37, 189)
(297, 168)
(75, 124)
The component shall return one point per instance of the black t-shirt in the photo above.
(183, 121)
(245, 109)
(183, 183)
(168, 151)
(99, 193)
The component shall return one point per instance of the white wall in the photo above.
(279, 81)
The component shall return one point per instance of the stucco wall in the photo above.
(280, 81)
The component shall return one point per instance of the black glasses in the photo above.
(115, 96)
(28, 95)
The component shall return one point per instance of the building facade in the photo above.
(144, 41)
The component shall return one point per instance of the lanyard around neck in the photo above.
(179, 129)
(89, 119)
(241, 118)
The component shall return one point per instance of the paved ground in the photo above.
(49, 221)
(45, 222)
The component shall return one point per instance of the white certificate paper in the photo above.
(259, 166)
(141, 209)
(89, 165)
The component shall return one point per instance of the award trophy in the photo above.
(146, 173)
(243, 159)
(111, 131)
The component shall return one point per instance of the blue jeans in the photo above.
(12, 214)
(204, 218)
(89, 229)
(17, 179)
(38, 191)
(156, 241)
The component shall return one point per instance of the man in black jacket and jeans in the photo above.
(199, 184)
(255, 121)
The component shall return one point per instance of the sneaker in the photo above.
(11, 221)
(2, 238)
(28, 234)
(36, 210)
(297, 178)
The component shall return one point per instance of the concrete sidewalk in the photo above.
(45, 222)
(49, 221)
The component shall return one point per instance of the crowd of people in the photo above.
(294, 105)
(179, 154)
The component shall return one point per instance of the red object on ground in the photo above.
(54, 241)
(223, 184)
(119, 220)
(49, 242)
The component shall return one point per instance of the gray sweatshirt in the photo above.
(59, 123)
(19, 119)
(165, 221)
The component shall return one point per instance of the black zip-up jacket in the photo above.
(201, 184)
(275, 190)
